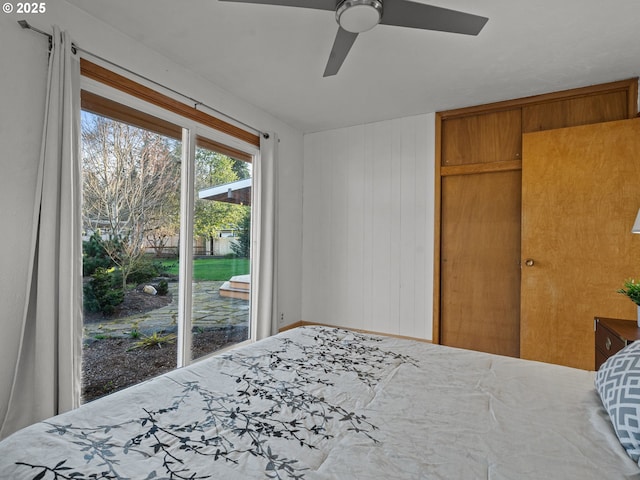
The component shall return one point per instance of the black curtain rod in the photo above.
(24, 24)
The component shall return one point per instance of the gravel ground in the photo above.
(111, 364)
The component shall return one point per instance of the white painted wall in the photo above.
(23, 62)
(369, 226)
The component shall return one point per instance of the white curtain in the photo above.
(264, 244)
(48, 367)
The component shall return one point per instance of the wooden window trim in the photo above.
(107, 77)
(108, 108)
(223, 149)
(93, 103)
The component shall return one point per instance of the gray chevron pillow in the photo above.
(618, 383)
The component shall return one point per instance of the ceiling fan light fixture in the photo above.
(357, 16)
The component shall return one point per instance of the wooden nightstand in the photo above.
(612, 335)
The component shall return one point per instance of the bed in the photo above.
(325, 403)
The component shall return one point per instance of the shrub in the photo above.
(89, 301)
(102, 292)
(94, 255)
(145, 270)
(162, 288)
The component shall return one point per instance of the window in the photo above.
(167, 229)
(221, 250)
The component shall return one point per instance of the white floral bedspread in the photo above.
(323, 403)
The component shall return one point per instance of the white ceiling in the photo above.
(274, 57)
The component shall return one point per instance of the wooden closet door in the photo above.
(479, 269)
(580, 196)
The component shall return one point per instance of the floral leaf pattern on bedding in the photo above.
(273, 417)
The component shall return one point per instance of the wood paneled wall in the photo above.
(368, 227)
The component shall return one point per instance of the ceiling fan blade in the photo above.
(404, 13)
(317, 4)
(341, 46)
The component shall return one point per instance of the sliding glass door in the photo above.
(157, 196)
(221, 251)
(131, 219)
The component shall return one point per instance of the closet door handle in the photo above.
(529, 262)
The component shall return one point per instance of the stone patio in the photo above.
(209, 310)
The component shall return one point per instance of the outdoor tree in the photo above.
(241, 168)
(242, 246)
(211, 217)
(166, 225)
(129, 187)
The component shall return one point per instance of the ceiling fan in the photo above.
(357, 16)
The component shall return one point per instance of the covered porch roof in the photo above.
(238, 192)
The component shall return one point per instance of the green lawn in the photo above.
(213, 269)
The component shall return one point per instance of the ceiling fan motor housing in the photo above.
(358, 16)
